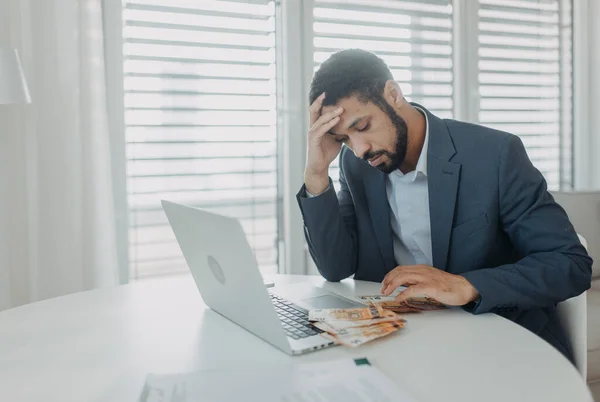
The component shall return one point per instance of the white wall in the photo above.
(594, 125)
(586, 79)
(4, 113)
(10, 186)
(15, 234)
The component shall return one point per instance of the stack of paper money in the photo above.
(354, 327)
(412, 305)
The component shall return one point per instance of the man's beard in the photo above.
(396, 159)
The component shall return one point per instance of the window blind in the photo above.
(413, 37)
(200, 104)
(525, 78)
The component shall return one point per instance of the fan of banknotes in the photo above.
(380, 317)
(412, 305)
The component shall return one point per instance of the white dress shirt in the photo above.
(408, 198)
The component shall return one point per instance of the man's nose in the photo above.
(360, 148)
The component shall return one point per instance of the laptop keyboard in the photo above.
(294, 319)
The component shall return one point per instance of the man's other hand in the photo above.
(452, 290)
(322, 148)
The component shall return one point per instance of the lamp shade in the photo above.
(13, 86)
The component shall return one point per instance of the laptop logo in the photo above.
(216, 269)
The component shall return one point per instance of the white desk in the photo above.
(99, 346)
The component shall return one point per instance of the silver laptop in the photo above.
(227, 275)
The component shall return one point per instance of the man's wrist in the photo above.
(316, 184)
(470, 293)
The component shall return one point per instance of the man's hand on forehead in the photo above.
(322, 148)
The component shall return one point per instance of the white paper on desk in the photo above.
(338, 381)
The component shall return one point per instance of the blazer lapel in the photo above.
(443, 178)
(375, 191)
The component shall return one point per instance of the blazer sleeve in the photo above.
(554, 265)
(330, 230)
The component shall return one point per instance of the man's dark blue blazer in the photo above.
(492, 221)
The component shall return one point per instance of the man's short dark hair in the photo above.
(351, 72)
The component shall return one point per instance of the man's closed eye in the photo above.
(364, 128)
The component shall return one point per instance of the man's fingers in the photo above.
(389, 278)
(315, 108)
(400, 280)
(403, 269)
(413, 291)
(329, 125)
(325, 119)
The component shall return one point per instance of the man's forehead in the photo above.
(354, 112)
(350, 105)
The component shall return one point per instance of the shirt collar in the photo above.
(422, 163)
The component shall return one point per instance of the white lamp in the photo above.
(13, 86)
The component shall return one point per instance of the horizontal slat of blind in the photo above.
(199, 166)
(200, 122)
(519, 76)
(413, 37)
(154, 216)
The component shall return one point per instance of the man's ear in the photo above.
(392, 93)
